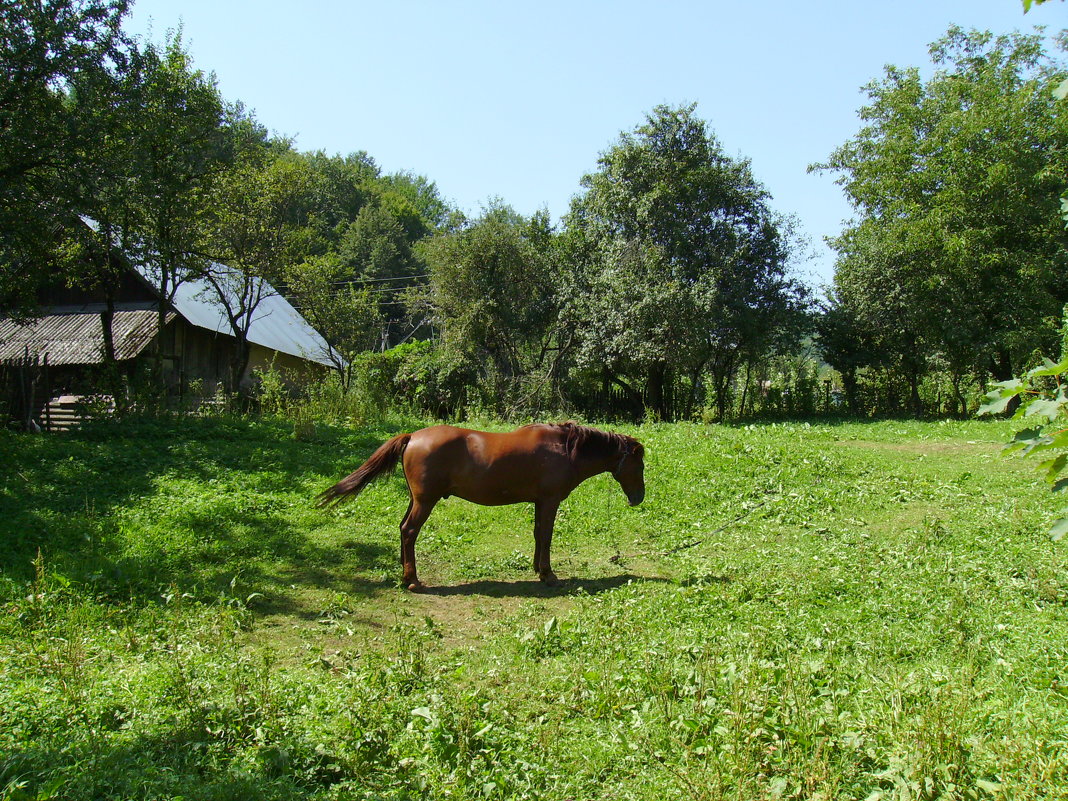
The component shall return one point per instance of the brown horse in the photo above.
(539, 464)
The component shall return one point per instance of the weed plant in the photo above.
(855, 611)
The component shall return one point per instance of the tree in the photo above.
(876, 282)
(493, 294)
(415, 202)
(955, 180)
(685, 264)
(376, 252)
(45, 48)
(370, 223)
(181, 145)
(258, 231)
(346, 314)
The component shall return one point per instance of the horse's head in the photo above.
(630, 472)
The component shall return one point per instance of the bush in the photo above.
(433, 381)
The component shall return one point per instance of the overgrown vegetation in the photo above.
(796, 611)
(1045, 402)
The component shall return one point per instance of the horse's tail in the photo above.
(382, 461)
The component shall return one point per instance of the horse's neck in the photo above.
(588, 467)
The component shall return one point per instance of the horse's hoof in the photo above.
(416, 586)
(549, 579)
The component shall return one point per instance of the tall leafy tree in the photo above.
(493, 289)
(181, 145)
(376, 253)
(258, 230)
(685, 264)
(877, 285)
(45, 48)
(415, 202)
(955, 180)
(844, 343)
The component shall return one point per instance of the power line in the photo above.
(379, 280)
(378, 291)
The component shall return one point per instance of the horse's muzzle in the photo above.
(636, 498)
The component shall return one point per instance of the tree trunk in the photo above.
(960, 406)
(722, 373)
(657, 386)
(914, 395)
(107, 318)
(239, 363)
(849, 383)
(695, 385)
(745, 387)
(1001, 366)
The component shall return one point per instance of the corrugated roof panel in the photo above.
(77, 337)
(275, 323)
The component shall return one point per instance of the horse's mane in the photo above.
(592, 442)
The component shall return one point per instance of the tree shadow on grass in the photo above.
(534, 588)
(63, 495)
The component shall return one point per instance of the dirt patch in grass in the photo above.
(925, 447)
(460, 614)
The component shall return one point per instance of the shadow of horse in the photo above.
(534, 588)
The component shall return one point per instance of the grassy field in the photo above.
(855, 611)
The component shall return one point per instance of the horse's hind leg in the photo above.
(403, 521)
(418, 511)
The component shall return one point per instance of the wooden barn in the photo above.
(48, 362)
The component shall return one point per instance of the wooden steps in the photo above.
(65, 412)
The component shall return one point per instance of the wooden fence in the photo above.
(25, 388)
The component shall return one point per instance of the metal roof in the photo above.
(275, 323)
(75, 335)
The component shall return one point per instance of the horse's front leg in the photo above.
(544, 520)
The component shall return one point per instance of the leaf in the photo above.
(998, 399)
(1050, 409)
(1061, 92)
(995, 405)
(1025, 440)
(1013, 386)
(983, 784)
(1027, 435)
(1054, 466)
(1058, 529)
(1049, 367)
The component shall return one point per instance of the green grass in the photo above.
(855, 611)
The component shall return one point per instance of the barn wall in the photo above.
(292, 368)
(196, 354)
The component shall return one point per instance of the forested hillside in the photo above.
(671, 290)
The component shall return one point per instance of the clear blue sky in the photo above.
(517, 100)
